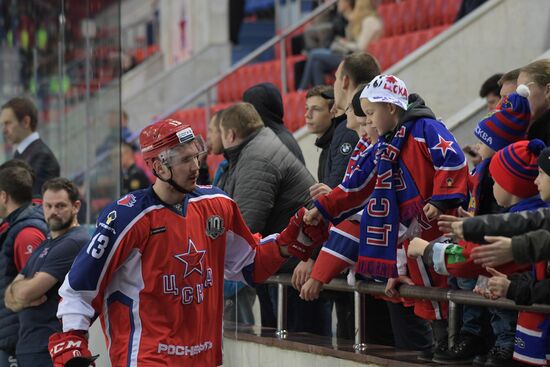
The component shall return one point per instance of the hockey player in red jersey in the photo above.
(154, 268)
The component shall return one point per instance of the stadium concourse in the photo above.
(267, 182)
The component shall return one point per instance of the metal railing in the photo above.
(361, 288)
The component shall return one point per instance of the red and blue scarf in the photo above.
(395, 200)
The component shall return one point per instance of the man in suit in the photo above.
(19, 119)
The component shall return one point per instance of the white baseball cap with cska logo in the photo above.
(387, 88)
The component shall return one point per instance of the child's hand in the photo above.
(417, 247)
(498, 285)
(431, 211)
(451, 226)
(391, 285)
(301, 273)
(313, 217)
(319, 189)
(464, 214)
(311, 289)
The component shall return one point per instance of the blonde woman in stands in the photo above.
(534, 83)
(364, 26)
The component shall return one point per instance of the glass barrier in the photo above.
(66, 57)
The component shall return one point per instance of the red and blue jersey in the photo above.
(154, 273)
(431, 155)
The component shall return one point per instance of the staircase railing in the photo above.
(277, 39)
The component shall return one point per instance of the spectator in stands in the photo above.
(269, 184)
(267, 100)
(239, 298)
(490, 90)
(364, 26)
(33, 293)
(514, 171)
(22, 230)
(508, 82)
(133, 177)
(354, 69)
(319, 102)
(382, 100)
(215, 145)
(536, 79)
(494, 134)
(19, 118)
(322, 30)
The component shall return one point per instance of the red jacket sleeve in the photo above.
(26, 241)
(469, 269)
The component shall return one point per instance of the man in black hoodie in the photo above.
(267, 100)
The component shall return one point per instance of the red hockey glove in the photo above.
(302, 239)
(70, 349)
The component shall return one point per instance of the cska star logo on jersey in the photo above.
(192, 259)
(444, 146)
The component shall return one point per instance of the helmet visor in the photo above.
(184, 153)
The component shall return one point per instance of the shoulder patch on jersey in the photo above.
(214, 226)
(346, 148)
(128, 200)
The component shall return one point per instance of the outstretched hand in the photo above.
(301, 239)
(417, 246)
(498, 252)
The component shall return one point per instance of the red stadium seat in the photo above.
(450, 10)
(386, 12)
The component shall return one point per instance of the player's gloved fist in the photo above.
(70, 349)
(302, 239)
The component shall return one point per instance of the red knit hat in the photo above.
(515, 167)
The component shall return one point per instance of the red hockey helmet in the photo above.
(159, 138)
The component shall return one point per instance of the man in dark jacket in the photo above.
(19, 119)
(269, 184)
(267, 100)
(354, 70)
(22, 230)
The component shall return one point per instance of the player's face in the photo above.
(185, 165)
(317, 115)
(379, 115)
(13, 131)
(543, 185)
(59, 211)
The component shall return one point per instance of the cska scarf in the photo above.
(532, 341)
(395, 200)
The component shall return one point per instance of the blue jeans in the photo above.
(504, 327)
(319, 62)
(471, 315)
